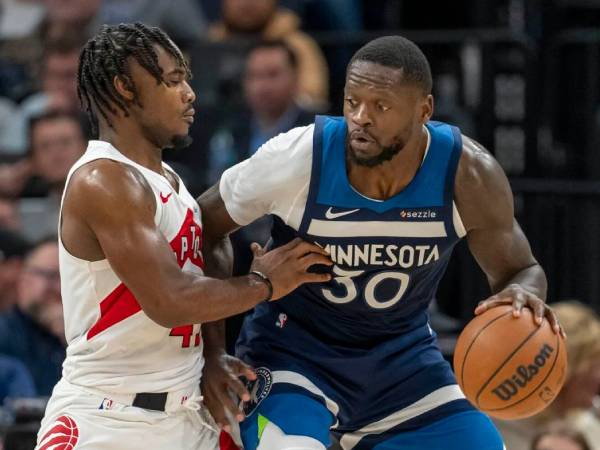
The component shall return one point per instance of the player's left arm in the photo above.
(221, 372)
(485, 203)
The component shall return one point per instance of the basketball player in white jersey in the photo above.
(131, 262)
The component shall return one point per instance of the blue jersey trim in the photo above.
(330, 186)
(315, 173)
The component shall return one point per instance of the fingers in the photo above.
(240, 368)
(553, 321)
(235, 385)
(229, 405)
(257, 250)
(539, 310)
(292, 244)
(492, 302)
(305, 247)
(315, 258)
(310, 277)
(517, 303)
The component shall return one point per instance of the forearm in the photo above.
(219, 264)
(201, 299)
(213, 334)
(531, 278)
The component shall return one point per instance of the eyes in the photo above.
(379, 105)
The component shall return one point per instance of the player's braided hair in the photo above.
(106, 55)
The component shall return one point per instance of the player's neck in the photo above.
(133, 145)
(391, 177)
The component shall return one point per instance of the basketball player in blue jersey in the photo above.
(388, 193)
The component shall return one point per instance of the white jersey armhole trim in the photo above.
(459, 227)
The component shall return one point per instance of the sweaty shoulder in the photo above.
(272, 180)
(482, 192)
(94, 193)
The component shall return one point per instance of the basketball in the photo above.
(509, 367)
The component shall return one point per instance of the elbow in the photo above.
(163, 312)
(162, 317)
(167, 314)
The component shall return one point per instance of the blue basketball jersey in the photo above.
(361, 343)
(389, 255)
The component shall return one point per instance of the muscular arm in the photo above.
(116, 204)
(485, 203)
(218, 255)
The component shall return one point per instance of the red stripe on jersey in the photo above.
(226, 442)
(188, 242)
(116, 307)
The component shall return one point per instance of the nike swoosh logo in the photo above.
(165, 198)
(331, 215)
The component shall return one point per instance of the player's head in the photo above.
(387, 98)
(132, 72)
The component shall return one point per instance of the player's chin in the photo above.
(363, 151)
(179, 141)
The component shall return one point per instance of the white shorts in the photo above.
(77, 418)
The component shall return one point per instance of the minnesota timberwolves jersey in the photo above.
(361, 343)
(389, 255)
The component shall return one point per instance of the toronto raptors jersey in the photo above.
(113, 345)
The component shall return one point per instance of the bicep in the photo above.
(485, 203)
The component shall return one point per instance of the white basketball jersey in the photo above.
(112, 344)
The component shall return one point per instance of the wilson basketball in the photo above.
(509, 367)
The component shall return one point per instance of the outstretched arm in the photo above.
(485, 203)
(117, 206)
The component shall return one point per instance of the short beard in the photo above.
(180, 141)
(386, 154)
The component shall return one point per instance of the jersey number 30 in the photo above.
(345, 279)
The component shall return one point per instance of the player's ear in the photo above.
(426, 108)
(123, 86)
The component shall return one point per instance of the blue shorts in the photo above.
(298, 414)
(391, 395)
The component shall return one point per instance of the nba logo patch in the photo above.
(258, 389)
(107, 403)
(281, 320)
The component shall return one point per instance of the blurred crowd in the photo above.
(259, 70)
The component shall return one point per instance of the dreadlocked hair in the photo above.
(106, 55)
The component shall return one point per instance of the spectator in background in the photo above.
(57, 139)
(20, 54)
(15, 379)
(270, 85)
(64, 16)
(58, 92)
(33, 330)
(575, 403)
(12, 251)
(183, 20)
(9, 215)
(262, 19)
(559, 436)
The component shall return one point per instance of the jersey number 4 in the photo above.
(345, 279)
(187, 332)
